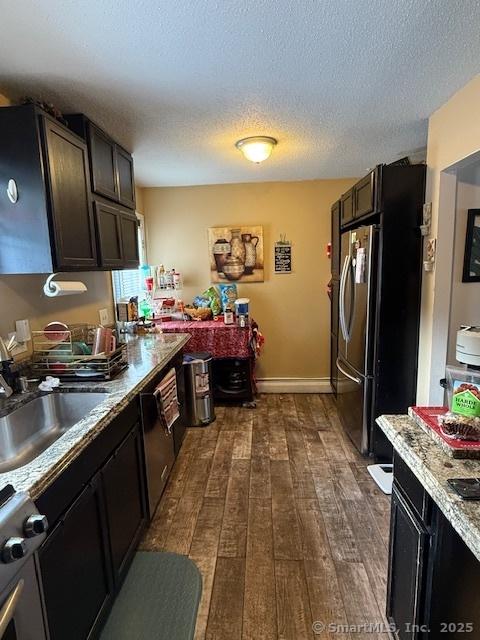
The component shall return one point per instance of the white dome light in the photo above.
(257, 148)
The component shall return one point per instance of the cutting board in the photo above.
(427, 419)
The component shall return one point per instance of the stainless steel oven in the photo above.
(22, 530)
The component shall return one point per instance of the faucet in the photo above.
(5, 388)
(5, 358)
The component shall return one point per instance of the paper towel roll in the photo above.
(65, 288)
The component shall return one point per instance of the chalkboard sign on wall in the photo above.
(283, 257)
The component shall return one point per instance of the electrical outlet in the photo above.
(104, 316)
(22, 329)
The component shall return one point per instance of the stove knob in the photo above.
(13, 549)
(35, 525)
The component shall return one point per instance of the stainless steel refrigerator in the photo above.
(377, 280)
(355, 360)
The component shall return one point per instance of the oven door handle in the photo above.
(8, 610)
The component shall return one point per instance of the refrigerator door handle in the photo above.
(350, 272)
(346, 374)
(343, 278)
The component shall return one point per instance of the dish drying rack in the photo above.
(59, 353)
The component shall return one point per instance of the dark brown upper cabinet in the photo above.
(49, 226)
(117, 236)
(365, 195)
(126, 182)
(335, 239)
(347, 214)
(131, 257)
(109, 235)
(71, 207)
(364, 198)
(103, 164)
(110, 165)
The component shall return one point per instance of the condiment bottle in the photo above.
(228, 315)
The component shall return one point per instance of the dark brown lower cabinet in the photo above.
(87, 555)
(408, 549)
(75, 566)
(433, 576)
(124, 498)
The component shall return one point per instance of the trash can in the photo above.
(197, 368)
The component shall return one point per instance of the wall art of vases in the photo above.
(236, 253)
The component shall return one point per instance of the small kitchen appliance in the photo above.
(242, 311)
(468, 346)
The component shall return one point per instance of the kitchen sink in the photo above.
(29, 430)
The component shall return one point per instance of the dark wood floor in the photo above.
(277, 509)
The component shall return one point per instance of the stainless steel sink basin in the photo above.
(29, 430)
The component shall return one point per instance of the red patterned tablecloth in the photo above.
(215, 337)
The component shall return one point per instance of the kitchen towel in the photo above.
(167, 400)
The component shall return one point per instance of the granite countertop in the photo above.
(433, 467)
(147, 355)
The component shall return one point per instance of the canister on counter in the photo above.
(242, 311)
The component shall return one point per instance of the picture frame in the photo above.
(471, 262)
(236, 254)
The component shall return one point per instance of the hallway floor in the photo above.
(276, 507)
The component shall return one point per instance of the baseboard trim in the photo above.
(294, 385)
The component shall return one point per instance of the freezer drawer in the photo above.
(354, 404)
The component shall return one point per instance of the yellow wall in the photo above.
(22, 297)
(453, 134)
(293, 311)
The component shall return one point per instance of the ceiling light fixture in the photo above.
(257, 148)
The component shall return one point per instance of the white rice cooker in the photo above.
(468, 346)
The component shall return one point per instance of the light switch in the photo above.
(104, 316)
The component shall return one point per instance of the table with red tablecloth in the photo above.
(232, 349)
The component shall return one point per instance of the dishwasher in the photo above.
(159, 411)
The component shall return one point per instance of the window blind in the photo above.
(126, 283)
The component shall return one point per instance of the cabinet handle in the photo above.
(8, 610)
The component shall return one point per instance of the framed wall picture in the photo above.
(471, 263)
(283, 257)
(236, 253)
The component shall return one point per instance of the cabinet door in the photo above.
(347, 207)
(335, 235)
(129, 224)
(109, 235)
(365, 195)
(124, 489)
(126, 182)
(454, 580)
(407, 561)
(75, 568)
(70, 204)
(104, 163)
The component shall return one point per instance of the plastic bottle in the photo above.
(168, 280)
(177, 282)
(161, 277)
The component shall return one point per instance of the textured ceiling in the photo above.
(342, 84)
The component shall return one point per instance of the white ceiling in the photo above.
(342, 84)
